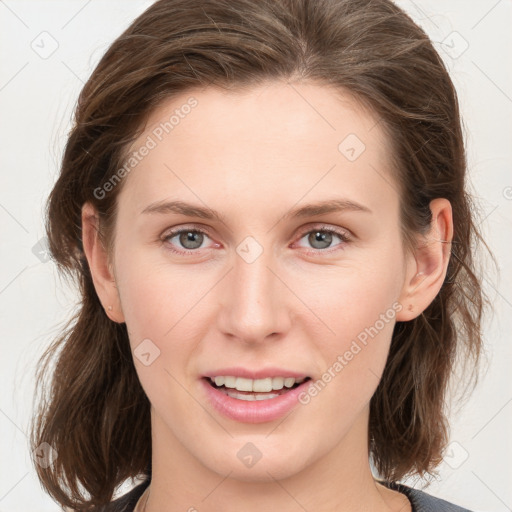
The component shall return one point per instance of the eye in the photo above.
(190, 239)
(321, 238)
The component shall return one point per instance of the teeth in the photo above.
(251, 398)
(243, 384)
(262, 385)
(277, 383)
(219, 381)
(255, 385)
(229, 382)
(289, 382)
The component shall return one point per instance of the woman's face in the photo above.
(260, 291)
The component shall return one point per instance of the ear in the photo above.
(99, 264)
(426, 267)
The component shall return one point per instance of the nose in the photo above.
(255, 302)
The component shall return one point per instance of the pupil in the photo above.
(190, 237)
(324, 238)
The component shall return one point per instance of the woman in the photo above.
(264, 205)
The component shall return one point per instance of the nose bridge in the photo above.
(254, 304)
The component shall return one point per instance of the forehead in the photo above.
(271, 144)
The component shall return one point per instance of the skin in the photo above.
(296, 306)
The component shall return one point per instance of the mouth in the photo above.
(259, 400)
(250, 390)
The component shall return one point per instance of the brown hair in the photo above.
(95, 413)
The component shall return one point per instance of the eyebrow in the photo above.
(309, 210)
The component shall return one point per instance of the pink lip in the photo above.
(237, 371)
(259, 411)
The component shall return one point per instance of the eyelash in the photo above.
(324, 229)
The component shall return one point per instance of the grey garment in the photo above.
(420, 500)
(423, 502)
(127, 502)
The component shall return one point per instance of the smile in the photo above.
(255, 389)
(253, 400)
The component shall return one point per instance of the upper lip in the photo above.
(262, 373)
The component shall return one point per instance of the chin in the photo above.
(259, 460)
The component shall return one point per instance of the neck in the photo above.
(340, 480)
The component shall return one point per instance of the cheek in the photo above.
(153, 296)
(351, 300)
(159, 315)
(164, 304)
(352, 360)
(358, 305)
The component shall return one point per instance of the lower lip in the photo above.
(258, 411)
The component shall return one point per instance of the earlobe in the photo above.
(99, 265)
(426, 268)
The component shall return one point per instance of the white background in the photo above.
(37, 96)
